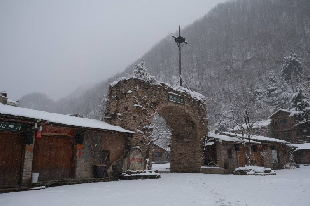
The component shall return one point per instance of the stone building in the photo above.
(58, 147)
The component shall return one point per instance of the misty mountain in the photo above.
(38, 101)
(236, 57)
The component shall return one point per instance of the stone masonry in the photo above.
(132, 105)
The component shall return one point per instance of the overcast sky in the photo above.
(54, 46)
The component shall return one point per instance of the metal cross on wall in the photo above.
(180, 41)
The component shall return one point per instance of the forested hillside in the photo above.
(243, 54)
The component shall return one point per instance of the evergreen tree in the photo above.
(276, 94)
(300, 101)
(292, 71)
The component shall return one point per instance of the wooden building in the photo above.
(286, 127)
(56, 146)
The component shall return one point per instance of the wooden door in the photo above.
(308, 155)
(54, 158)
(12, 151)
(242, 156)
(258, 158)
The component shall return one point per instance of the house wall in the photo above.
(88, 155)
(302, 156)
(27, 169)
(227, 157)
(116, 143)
(92, 153)
(267, 157)
(163, 158)
(283, 127)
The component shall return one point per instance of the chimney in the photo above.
(3, 97)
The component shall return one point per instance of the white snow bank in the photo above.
(59, 118)
(253, 168)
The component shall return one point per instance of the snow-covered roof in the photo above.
(259, 138)
(162, 146)
(262, 123)
(262, 138)
(269, 139)
(59, 118)
(291, 112)
(228, 137)
(302, 146)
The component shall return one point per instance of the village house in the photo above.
(302, 153)
(286, 127)
(57, 147)
(225, 152)
(160, 153)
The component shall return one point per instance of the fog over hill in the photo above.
(243, 54)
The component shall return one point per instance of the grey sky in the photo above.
(54, 46)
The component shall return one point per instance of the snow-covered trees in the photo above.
(141, 73)
(235, 58)
(292, 71)
(300, 101)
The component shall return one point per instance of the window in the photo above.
(158, 154)
(282, 121)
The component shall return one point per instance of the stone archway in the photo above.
(132, 104)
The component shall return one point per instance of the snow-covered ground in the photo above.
(288, 187)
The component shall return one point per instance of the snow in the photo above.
(141, 74)
(291, 112)
(302, 146)
(260, 138)
(289, 187)
(59, 118)
(258, 124)
(161, 167)
(254, 169)
(227, 137)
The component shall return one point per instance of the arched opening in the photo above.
(185, 145)
(161, 140)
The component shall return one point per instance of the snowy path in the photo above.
(288, 187)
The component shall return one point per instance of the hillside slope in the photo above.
(235, 57)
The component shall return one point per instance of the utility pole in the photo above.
(180, 42)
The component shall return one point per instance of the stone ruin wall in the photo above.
(133, 104)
